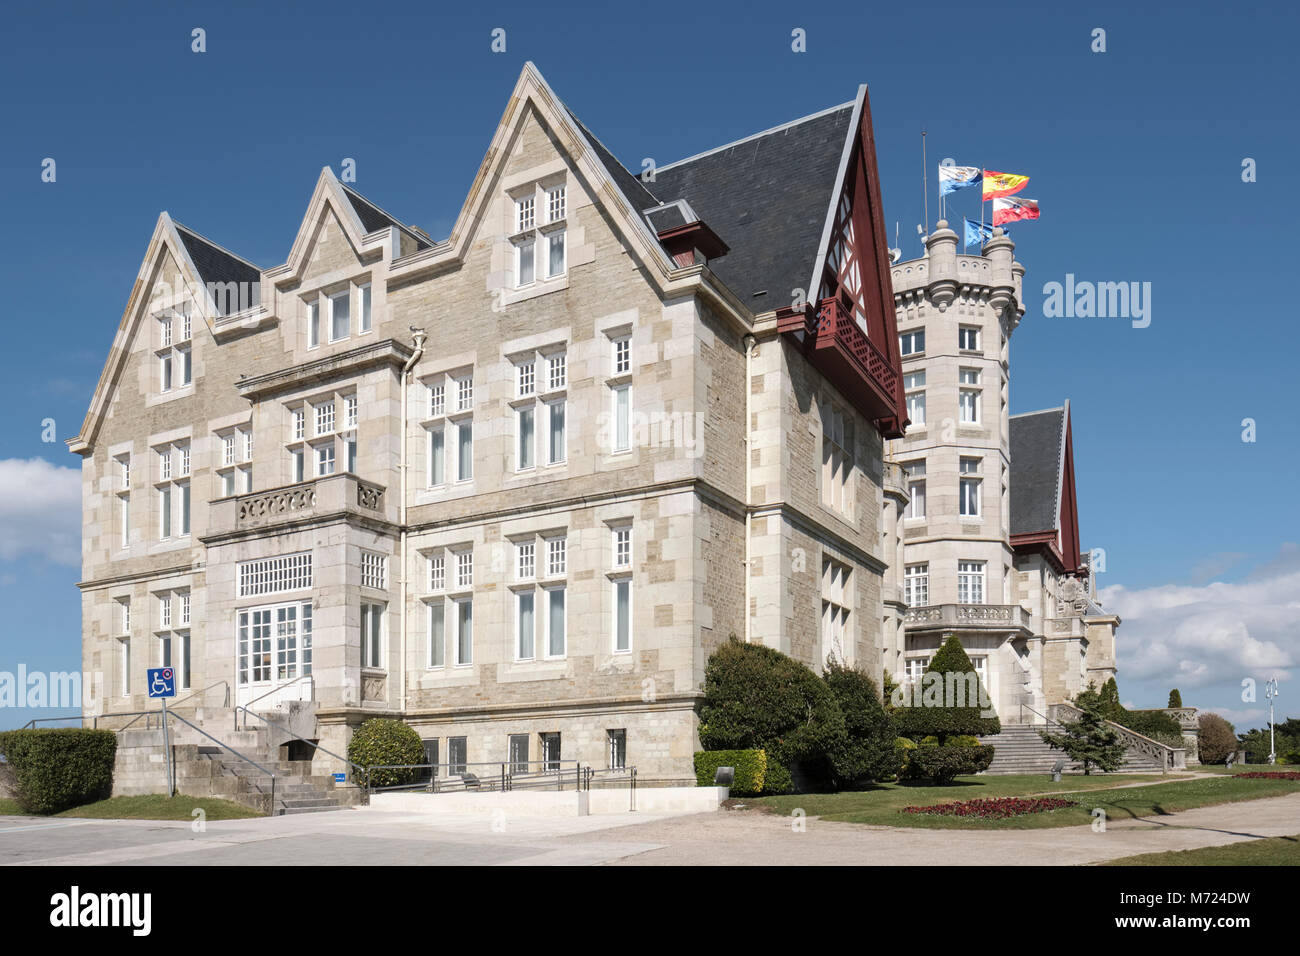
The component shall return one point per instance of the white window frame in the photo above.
(971, 582)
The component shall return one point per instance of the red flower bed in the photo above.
(994, 808)
(1262, 775)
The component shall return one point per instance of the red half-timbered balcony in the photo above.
(840, 350)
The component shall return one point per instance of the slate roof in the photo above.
(372, 217)
(214, 264)
(1037, 449)
(767, 197)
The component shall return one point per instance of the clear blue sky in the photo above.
(1135, 156)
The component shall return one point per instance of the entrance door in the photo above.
(274, 654)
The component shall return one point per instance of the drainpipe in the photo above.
(418, 336)
(749, 352)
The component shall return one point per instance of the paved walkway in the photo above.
(701, 839)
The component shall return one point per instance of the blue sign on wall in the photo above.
(162, 681)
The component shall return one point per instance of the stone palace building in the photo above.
(513, 486)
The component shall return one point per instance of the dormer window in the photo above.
(175, 366)
(555, 202)
(525, 214)
(340, 316)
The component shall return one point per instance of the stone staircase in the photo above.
(205, 769)
(1019, 749)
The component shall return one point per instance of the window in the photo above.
(124, 500)
(325, 460)
(968, 400)
(622, 588)
(437, 572)
(437, 633)
(340, 316)
(350, 445)
(437, 399)
(374, 568)
(555, 445)
(525, 625)
(526, 432)
(372, 617)
(349, 411)
(173, 634)
(124, 666)
(235, 473)
(622, 547)
(623, 355)
(173, 490)
(550, 751)
(916, 585)
(968, 338)
(465, 631)
(915, 471)
(911, 343)
(464, 569)
(464, 450)
(366, 319)
(313, 325)
(525, 213)
(969, 499)
(299, 418)
(290, 572)
(437, 455)
(525, 256)
(526, 378)
(555, 204)
(518, 751)
(914, 387)
(556, 557)
(970, 582)
(124, 615)
(556, 372)
(616, 748)
(324, 417)
(836, 608)
(554, 253)
(622, 414)
(273, 642)
(456, 756)
(175, 367)
(525, 561)
(837, 459)
(915, 668)
(555, 622)
(165, 511)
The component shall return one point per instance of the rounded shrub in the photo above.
(756, 698)
(1216, 739)
(383, 742)
(866, 750)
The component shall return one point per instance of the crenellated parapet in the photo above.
(944, 276)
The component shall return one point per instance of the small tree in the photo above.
(866, 750)
(1175, 698)
(1088, 740)
(1216, 740)
(950, 700)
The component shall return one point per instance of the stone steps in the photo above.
(1020, 750)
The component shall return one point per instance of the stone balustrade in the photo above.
(995, 616)
(319, 497)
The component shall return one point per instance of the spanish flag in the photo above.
(1009, 210)
(1002, 184)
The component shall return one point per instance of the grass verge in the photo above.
(1273, 851)
(881, 805)
(150, 807)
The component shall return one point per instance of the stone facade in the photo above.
(1027, 616)
(396, 481)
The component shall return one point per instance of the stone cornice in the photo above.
(322, 370)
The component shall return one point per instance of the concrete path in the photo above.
(724, 838)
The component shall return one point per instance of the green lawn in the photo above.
(881, 806)
(1275, 851)
(150, 807)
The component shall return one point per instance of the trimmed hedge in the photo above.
(866, 750)
(750, 765)
(756, 698)
(940, 764)
(380, 741)
(59, 768)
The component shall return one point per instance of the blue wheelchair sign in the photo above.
(162, 681)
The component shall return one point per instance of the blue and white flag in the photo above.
(978, 233)
(953, 178)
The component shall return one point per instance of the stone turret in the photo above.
(941, 248)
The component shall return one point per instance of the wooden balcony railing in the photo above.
(839, 347)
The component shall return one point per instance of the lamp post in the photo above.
(1270, 691)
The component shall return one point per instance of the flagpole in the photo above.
(925, 187)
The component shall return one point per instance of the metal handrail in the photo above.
(190, 695)
(293, 736)
(270, 773)
(137, 714)
(31, 724)
(503, 780)
(275, 690)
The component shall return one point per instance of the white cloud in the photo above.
(1194, 636)
(40, 511)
